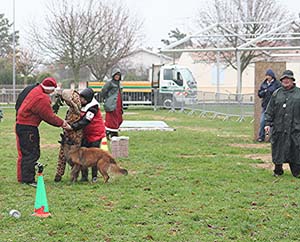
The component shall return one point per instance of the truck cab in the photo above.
(175, 84)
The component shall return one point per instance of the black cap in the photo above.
(287, 74)
(87, 94)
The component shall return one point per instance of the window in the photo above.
(168, 74)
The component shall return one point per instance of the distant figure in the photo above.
(283, 115)
(268, 86)
(113, 106)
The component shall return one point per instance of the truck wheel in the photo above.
(167, 103)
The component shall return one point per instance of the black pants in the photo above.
(84, 171)
(28, 145)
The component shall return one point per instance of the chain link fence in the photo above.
(211, 104)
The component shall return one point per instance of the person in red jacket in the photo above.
(33, 106)
(92, 124)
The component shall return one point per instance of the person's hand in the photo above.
(267, 129)
(66, 126)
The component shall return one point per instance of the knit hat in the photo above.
(287, 74)
(269, 72)
(87, 94)
(49, 83)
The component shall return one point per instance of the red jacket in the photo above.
(96, 129)
(36, 108)
(91, 122)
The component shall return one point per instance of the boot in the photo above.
(295, 169)
(278, 171)
(57, 178)
(114, 134)
(84, 175)
(108, 134)
(94, 173)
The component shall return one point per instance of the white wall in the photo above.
(206, 76)
(295, 67)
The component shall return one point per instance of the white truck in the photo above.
(168, 85)
(175, 84)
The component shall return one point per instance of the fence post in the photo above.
(155, 97)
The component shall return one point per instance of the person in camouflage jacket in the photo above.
(72, 99)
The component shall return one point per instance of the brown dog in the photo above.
(87, 157)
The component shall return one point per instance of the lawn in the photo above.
(193, 184)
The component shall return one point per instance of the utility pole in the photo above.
(14, 54)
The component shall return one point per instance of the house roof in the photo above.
(152, 53)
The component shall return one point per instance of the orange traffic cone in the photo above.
(104, 145)
(41, 205)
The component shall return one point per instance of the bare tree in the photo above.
(116, 42)
(26, 62)
(296, 35)
(71, 33)
(95, 34)
(6, 36)
(174, 35)
(243, 20)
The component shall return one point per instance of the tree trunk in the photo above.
(76, 76)
(25, 80)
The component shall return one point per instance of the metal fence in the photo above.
(210, 104)
(7, 95)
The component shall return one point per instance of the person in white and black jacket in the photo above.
(92, 124)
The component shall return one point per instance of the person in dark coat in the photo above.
(268, 86)
(283, 115)
(113, 106)
(33, 106)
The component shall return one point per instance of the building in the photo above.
(206, 75)
(144, 58)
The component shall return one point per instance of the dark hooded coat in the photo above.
(266, 89)
(283, 115)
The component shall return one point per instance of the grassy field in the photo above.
(193, 184)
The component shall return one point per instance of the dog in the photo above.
(88, 157)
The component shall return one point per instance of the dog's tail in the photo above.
(116, 169)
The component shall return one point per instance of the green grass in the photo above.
(187, 185)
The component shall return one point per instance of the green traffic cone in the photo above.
(41, 205)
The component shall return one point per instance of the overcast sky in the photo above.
(159, 16)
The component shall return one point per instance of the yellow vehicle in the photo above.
(171, 84)
(134, 92)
